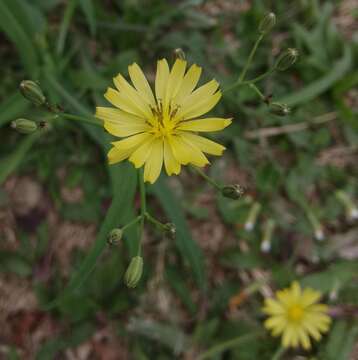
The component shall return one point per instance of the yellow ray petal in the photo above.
(288, 336)
(312, 330)
(200, 108)
(117, 116)
(188, 84)
(273, 307)
(139, 156)
(181, 151)
(296, 290)
(172, 166)
(116, 155)
(200, 94)
(197, 157)
(122, 101)
(205, 145)
(275, 322)
(132, 142)
(185, 153)
(174, 80)
(309, 297)
(154, 162)
(303, 338)
(318, 308)
(161, 79)
(126, 129)
(140, 82)
(209, 124)
(128, 92)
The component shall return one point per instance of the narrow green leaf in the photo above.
(67, 17)
(321, 85)
(12, 107)
(51, 348)
(124, 181)
(188, 248)
(229, 344)
(11, 25)
(89, 11)
(178, 283)
(9, 164)
(167, 335)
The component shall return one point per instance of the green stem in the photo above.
(260, 77)
(257, 91)
(81, 119)
(131, 223)
(217, 349)
(249, 60)
(279, 352)
(240, 81)
(210, 180)
(143, 207)
(154, 221)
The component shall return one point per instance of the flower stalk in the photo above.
(210, 180)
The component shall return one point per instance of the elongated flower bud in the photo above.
(267, 23)
(24, 126)
(252, 217)
(286, 59)
(279, 109)
(115, 236)
(134, 272)
(232, 191)
(267, 235)
(32, 92)
(351, 209)
(170, 230)
(317, 227)
(179, 53)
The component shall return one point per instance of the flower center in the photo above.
(295, 313)
(163, 124)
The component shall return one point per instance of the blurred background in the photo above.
(207, 286)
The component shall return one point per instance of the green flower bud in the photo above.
(32, 92)
(134, 272)
(170, 230)
(286, 59)
(115, 236)
(179, 54)
(232, 191)
(279, 109)
(24, 126)
(267, 23)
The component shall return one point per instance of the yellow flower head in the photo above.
(162, 128)
(296, 315)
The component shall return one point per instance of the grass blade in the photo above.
(9, 164)
(89, 11)
(12, 107)
(316, 88)
(69, 11)
(124, 183)
(188, 248)
(11, 25)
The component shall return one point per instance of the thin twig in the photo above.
(279, 130)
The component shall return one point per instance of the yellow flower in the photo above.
(296, 315)
(162, 128)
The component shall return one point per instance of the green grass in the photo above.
(74, 50)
